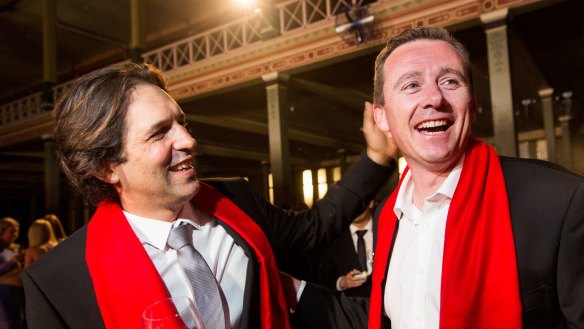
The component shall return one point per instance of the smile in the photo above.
(433, 127)
(185, 165)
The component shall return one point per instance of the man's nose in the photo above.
(432, 96)
(184, 140)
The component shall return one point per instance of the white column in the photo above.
(564, 119)
(500, 82)
(549, 128)
(138, 30)
(51, 176)
(276, 91)
(49, 53)
(266, 179)
(49, 40)
(566, 143)
(342, 160)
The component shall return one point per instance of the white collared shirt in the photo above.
(412, 292)
(225, 258)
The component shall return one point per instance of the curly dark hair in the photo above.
(418, 33)
(90, 125)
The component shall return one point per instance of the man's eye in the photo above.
(411, 85)
(159, 134)
(450, 83)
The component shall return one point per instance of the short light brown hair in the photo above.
(418, 33)
(90, 124)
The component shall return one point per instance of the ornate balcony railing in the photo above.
(20, 109)
(296, 14)
(251, 29)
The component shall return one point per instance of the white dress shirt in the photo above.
(412, 292)
(226, 259)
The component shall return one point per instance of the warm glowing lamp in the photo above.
(246, 3)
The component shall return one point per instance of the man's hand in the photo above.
(352, 280)
(380, 147)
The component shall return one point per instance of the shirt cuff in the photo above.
(300, 290)
(339, 284)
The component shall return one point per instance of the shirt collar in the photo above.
(404, 193)
(155, 232)
(151, 231)
(367, 227)
(404, 205)
(449, 186)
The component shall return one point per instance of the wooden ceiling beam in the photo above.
(235, 152)
(261, 128)
(345, 96)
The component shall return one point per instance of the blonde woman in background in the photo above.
(60, 234)
(41, 239)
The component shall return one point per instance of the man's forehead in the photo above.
(419, 56)
(149, 107)
(424, 49)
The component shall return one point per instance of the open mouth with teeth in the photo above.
(433, 127)
(182, 166)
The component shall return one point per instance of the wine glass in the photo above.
(172, 313)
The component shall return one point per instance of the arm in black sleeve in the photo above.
(291, 234)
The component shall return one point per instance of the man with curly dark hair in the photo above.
(122, 142)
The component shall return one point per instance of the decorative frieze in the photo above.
(320, 43)
(194, 69)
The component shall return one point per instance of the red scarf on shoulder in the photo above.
(480, 287)
(125, 279)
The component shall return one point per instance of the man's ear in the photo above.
(381, 119)
(108, 174)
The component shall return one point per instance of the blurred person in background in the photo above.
(9, 250)
(41, 239)
(11, 294)
(347, 262)
(58, 229)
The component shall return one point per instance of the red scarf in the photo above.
(479, 287)
(126, 282)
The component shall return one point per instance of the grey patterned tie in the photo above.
(202, 281)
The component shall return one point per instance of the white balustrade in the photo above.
(293, 15)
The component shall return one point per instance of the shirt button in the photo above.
(419, 318)
(421, 270)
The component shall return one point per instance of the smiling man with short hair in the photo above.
(468, 239)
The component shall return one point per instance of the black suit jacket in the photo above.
(547, 213)
(339, 258)
(59, 290)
